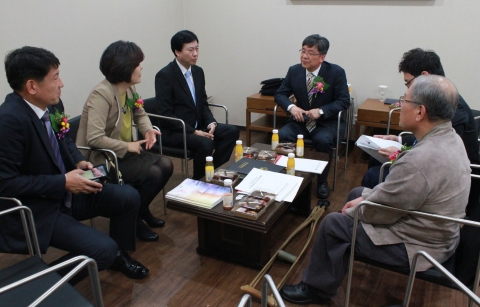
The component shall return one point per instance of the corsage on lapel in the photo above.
(393, 157)
(319, 86)
(134, 103)
(60, 123)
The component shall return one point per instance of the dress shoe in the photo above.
(323, 203)
(302, 294)
(152, 221)
(322, 190)
(145, 234)
(131, 268)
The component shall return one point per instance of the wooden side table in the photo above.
(258, 103)
(373, 113)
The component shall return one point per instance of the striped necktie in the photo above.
(311, 124)
(67, 198)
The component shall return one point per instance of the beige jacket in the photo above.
(432, 177)
(101, 124)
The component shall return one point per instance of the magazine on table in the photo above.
(198, 193)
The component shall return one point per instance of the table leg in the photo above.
(247, 127)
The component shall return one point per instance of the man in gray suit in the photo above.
(418, 180)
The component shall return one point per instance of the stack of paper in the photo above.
(284, 186)
(304, 165)
(371, 146)
(197, 193)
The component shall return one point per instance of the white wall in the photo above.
(244, 42)
(77, 32)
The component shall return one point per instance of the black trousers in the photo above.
(328, 263)
(324, 138)
(120, 204)
(224, 139)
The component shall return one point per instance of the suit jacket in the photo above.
(101, 124)
(334, 100)
(420, 181)
(464, 124)
(29, 172)
(174, 99)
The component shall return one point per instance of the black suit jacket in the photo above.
(29, 172)
(174, 99)
(334, 100)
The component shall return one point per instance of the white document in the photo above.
(284, 186)
(305, 165)
(371, 146)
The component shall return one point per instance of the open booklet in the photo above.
(371, 145)
(305, 165)
(285, 187)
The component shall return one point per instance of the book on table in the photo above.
(198, 193)
(244, 166)
(371, 145)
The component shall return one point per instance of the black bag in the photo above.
(270, 86)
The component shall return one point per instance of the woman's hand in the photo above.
(151, 138)
(136, 147)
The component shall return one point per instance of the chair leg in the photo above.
(164, 202)
(335, 169)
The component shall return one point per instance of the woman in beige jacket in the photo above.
(106, 122)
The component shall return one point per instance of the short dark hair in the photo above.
(28, 63)
(438, 94)
(417, 60)
(321, 42)
(119, 61)
(180, 38)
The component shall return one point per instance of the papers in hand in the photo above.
(305, 165)
(371, 146)
(284, 186)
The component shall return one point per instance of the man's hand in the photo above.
(76, 184)
(390, 137)
(136, 147)
(297, 113)
(204, 134)
(352, 204)
(84, 165)
(313, 114)
(387, 152)
(212, 128)
(151, 138)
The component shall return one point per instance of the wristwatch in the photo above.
(320, 111)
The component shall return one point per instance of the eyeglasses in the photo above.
(303, 52)
(407, 84)
(402, 100)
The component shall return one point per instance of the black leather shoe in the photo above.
(153, 221)
(322, 190)
(302, 294)
(131, 268)
(145, 234)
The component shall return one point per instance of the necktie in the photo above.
(190, 85)
(310, 124)
(67, 198)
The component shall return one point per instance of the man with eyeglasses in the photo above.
(180, 93)
(414, 63)
(416, 182)
(320, 90)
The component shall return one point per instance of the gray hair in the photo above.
(321, 42)
(438, 94)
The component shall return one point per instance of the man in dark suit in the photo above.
(315, 114)
(414, 63)
(180, 93)
(43, 169)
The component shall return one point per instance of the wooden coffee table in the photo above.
(223, 235)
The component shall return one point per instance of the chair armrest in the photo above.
(184, 132)
(382, 170)
(85, 261)
(28, 228)
(390, 118)
(220, 106)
